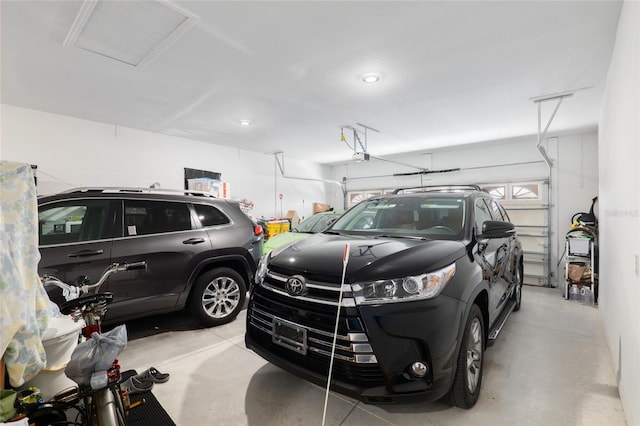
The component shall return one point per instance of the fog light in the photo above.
(419, 369)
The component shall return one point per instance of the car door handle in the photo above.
(193, 241)
(84, 253)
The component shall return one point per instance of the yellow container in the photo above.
(276, 227)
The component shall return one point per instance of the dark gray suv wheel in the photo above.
(217, 297)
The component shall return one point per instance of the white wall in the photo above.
(619, 135)
(574, 180)
(71, 152)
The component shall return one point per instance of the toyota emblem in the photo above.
(295, 285)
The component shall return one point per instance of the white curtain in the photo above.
(25, 308)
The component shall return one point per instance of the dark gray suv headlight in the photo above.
(425, 286)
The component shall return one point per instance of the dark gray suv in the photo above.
(201, 252)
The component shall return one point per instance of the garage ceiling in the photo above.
(450, 72)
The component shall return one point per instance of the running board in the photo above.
(501, 321)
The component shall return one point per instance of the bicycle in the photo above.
(101, 402)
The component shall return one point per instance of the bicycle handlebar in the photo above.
(71, 292)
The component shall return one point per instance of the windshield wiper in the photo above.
(410, 237)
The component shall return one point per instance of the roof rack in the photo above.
(107, 190)
(440, 188)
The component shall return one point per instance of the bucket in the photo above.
(50, 382)
(59, 340)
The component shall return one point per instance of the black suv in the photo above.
(201, 252)
(425, 279)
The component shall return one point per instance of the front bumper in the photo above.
(376, 344)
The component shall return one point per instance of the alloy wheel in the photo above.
(474, 355)
(221, 297)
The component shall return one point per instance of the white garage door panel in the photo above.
(531, 217)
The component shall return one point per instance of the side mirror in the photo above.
(331, 221)
(498, 229)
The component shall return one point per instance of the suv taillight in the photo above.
(257, 230)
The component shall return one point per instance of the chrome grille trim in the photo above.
(348, 301)
(358, 344)
(346, 288)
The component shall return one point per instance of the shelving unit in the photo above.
(580, 277)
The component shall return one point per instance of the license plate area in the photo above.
(290, 335)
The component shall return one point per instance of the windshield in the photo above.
(434, 218)
(316, 223)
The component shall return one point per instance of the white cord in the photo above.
(345, 260)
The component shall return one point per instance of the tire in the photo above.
(517, 293)
(468, 378)
(217, 297)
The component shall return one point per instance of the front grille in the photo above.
(319, 292)
(315, 314)
(352, 347)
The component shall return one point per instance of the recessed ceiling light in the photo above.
(370, 78)
(245, 122)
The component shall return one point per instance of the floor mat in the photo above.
(151, 412)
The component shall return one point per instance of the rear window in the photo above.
(144, 217)
(210, 216)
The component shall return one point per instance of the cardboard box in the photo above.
(293, 217)
(320, 207)
(215, 187)
(575, 271)
(226, 190)
(206, 185)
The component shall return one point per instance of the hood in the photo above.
(321, 256)
(282, 239)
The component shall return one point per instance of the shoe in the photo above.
(132, 385)
(152, 375)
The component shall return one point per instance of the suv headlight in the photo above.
(425, 286)
(262, 269)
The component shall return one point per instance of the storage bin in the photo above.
(59, 340)
(50, 382)
(275, 227)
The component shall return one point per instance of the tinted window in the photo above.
(143, 217)
(496, 212)
(316, 223)
(73, 221)
(210, 216)
(504, 214)
(482, 215)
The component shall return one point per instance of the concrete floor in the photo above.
(550, 366)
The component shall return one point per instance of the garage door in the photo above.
(528, 208)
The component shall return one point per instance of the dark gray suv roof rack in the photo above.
(440, 188)
(105, 190)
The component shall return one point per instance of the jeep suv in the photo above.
(201, 252)
(423, 280)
